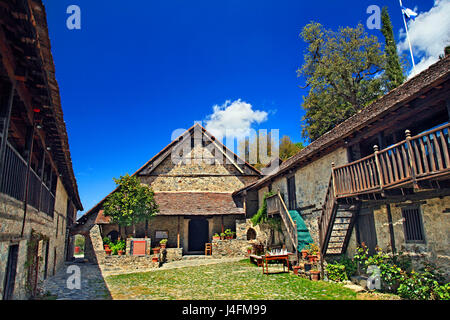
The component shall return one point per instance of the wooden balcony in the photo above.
(14, 182)
(402, 165)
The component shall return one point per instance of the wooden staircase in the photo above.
(276, 205)
(420, 159)
(336, 223)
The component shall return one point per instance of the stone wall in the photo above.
(436, 224)
(54, 229)
(311, 183)
(198, 175)
(238, 247)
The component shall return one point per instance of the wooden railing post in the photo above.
(377, 164)
(412, 161)
(333, 165)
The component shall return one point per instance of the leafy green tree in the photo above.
(132, 203)
(288, 148)
(343, 72)
(394, 72)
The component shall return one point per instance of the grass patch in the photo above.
(236, 281)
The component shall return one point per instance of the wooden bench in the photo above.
(256, 259)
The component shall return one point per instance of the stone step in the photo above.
(196, 257)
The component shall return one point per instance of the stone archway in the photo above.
(251, 234)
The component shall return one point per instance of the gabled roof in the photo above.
(190, 203)
(436, 74)
(164, 153)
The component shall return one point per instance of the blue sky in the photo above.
(137, 70)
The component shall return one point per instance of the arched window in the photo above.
(251, 234)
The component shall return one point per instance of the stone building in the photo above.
(193, 179)
(38, 191)
(381, 177)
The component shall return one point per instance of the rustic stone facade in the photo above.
(53, 230)
(436, 226)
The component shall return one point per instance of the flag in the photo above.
(409, 13)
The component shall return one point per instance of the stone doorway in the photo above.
(198, 235)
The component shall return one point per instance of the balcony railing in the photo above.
(14, 182)
(417, 158)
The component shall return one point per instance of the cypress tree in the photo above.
(394, 72)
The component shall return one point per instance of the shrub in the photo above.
(424, 284)
(336, 272)
(261, 214)
(106, 241)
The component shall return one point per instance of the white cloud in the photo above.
(233, 119)
(429, 34)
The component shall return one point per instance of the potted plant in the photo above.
(222, 236)
(106, 243)
(249, 250)
(315, 274)
(216, 236)
(120, 245)
(313, 251)
(155, 258)
(156, 250)
(295, 269)
(108, 251)
(228, 234)
(304, 254)
(163, 243)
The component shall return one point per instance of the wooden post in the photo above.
(391, 227)
(377, 164)
(333, 165)
(178, 233)
(412, 161)
(28, 152)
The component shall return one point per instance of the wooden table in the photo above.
(280, 257)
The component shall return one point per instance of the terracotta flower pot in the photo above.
(216, 238)
(249, 251)
(295, 269)
(154, 259)
(304, 254)
(106, 246)
(163, 245)
(312, 258)
(120, 252)
(108, 251)
(315, 275)
(156, 250)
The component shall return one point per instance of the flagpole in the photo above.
(407, 36)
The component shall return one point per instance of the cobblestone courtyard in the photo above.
(194, 279)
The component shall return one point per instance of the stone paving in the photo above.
(93, 286)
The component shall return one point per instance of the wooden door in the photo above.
(366, 229)
(292, 201)
(11, 267)
(198, 234)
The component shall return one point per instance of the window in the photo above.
(412, 224)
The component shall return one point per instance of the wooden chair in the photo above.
(208, 249)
